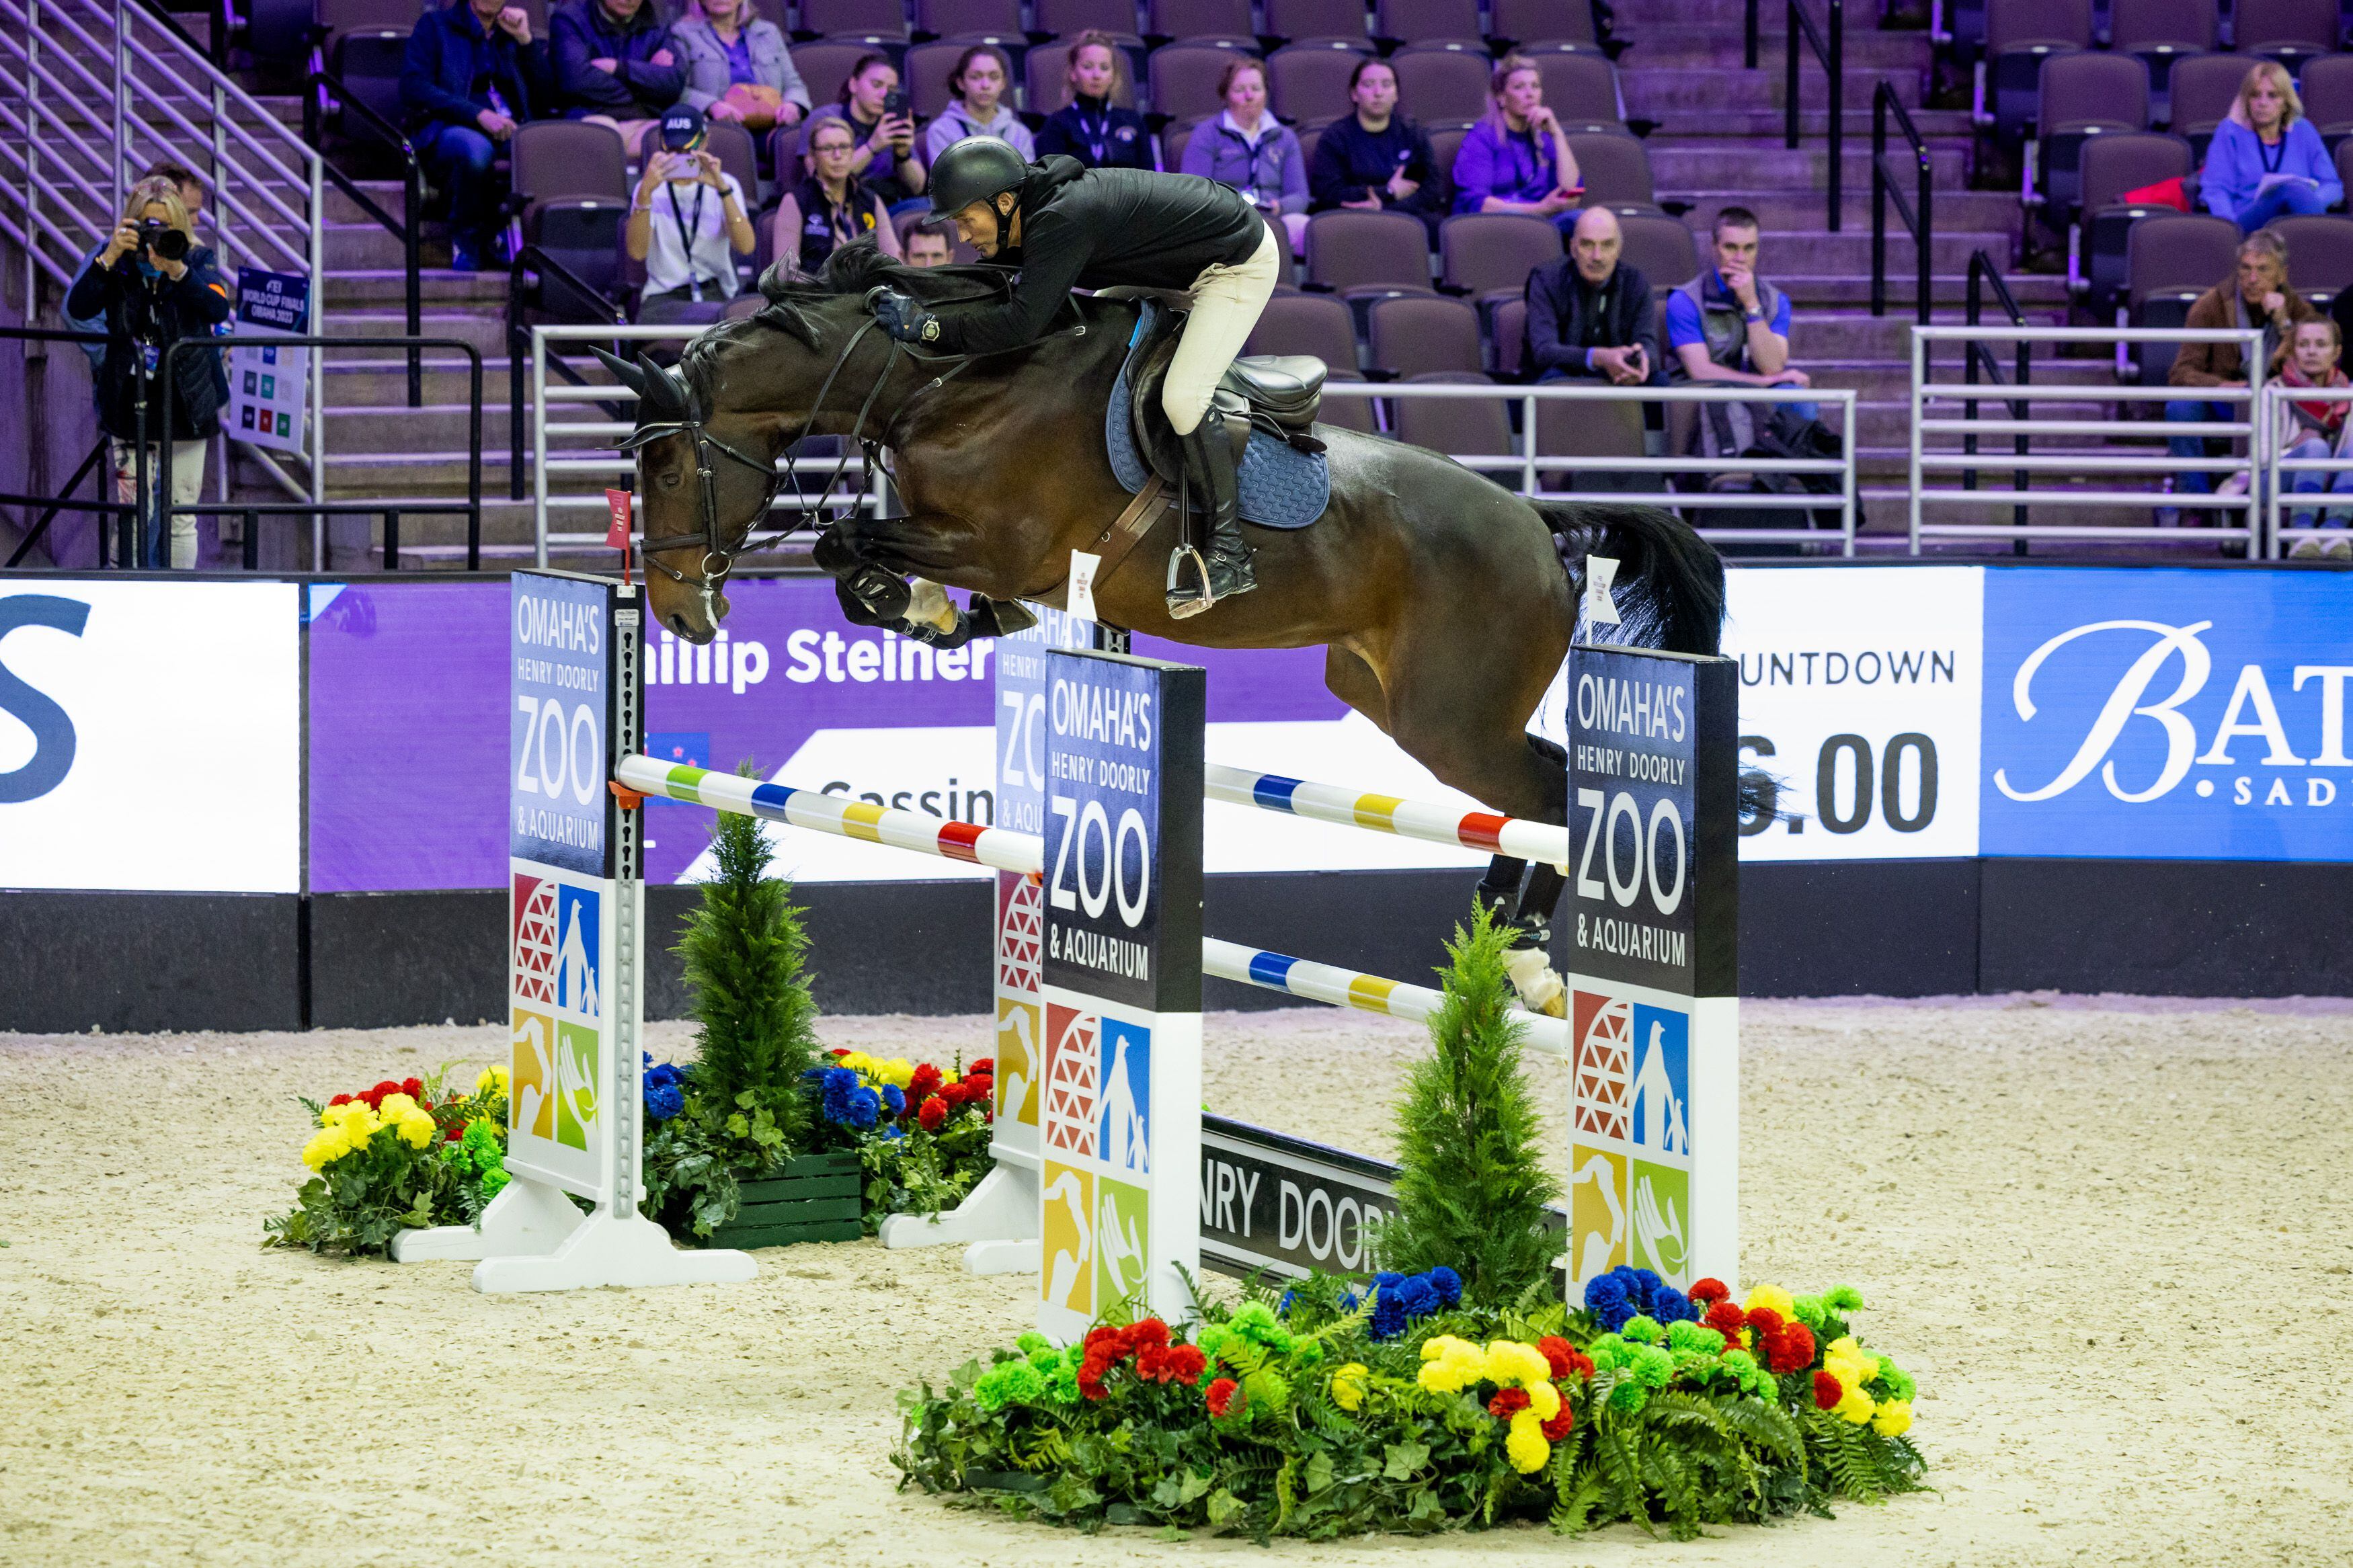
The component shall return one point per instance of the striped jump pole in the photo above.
(1480, 830)
(844, 818)
(1349, 988)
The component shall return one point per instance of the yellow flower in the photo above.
(1893, 1419)
(491, 1079)
(325, 1148)
(1543, 1401)
(394, 1107)
(1854, 1406)
(417, 1128)
(1510, 1361)
(898, 1073)
(1850, 1363)
(1526, 1447)
(859, 1061)
(1348, 1385)
(1771, 1296)
(1449, 1364)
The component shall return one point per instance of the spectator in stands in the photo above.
(2310, 428)
(875, 110)
(1516, 160)
(1590, 314)
(687, 224)
(1374, 158)
(737, 67)
(2256, 295)
(191, 188)
(1729, 325)
(473, 73)
(154, 285)
(925, 248)
(977, 85)
(1250, 149)
(2267, 161)
(831, 206)
(613, 65)
(1092, 127)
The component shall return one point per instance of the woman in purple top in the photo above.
(1516, 160)
(2267, 161)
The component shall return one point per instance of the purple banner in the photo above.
(409, 733)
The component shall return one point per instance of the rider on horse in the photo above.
(1066, 227)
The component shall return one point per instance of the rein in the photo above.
(807, 513)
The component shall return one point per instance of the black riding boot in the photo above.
(1209, 470)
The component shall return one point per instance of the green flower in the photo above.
(1843, 1299)
(1063, 1384)
(1009, 1382)
(1643, 1330)
(1810, 1310)
(1032, 1343)
(1254, 1322)
(1653, 1367)
(1693, 1337)
(1609, 1352)
(1628, 1397)
(1896, 1381)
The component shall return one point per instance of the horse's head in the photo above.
(705, 476)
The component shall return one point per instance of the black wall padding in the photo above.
(1859, 928)
(130, 962)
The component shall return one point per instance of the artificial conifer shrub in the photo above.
(1472, 1186)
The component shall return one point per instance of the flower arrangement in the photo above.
(1300, 1417)
(921, 1130)
(401, 1155)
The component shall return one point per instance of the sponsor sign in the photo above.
(1284, 1206)
(269, 386)
(1654, 1026)
(151, 735)
(1858, 706)
(1121, 1081)
(2168, 714)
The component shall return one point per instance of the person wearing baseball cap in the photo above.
(687, 224)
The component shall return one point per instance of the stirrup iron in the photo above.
(1186, 609)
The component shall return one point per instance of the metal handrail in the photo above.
(412, 174)
(1919, 216)
(532, 258)
(2277, 462)
(1981, 271)
(1923, 392)
(319, 508)
(1527, 464)
(1831, 53)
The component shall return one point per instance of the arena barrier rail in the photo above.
(2010, 400)
(2279, 472)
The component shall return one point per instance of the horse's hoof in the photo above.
(1538, 983)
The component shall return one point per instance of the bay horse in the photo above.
(1444, 603)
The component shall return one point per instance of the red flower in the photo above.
(839, 1052)
(1507, 1403)
(340, 1100)
(924, 1084)
(1566, 1360)
(1224, 1396)
(1148, 1333)
(454, 1134)
(414, 1088)
(1707, 1292)
(985, 1064)
(1724, 1319)
(1184, 1363)
(932, 1113)
(1828, 1390)
(1790, 1348)
(979, 1087)
(1766, 1322)
(1560, 1426)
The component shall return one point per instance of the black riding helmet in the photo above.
(977, 169)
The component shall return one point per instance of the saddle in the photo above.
(1277, 393)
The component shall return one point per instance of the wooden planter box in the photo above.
(816, 1199)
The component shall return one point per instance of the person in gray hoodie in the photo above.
(1247, 148)
(982, 78)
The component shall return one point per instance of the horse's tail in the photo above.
(1670, 583)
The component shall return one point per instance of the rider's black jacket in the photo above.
(1097, 228)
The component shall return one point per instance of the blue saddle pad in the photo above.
(1282, 486)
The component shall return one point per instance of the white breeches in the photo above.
(1226, 302)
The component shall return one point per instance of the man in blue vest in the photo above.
(1730, 325)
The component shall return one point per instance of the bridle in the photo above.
(678, 392)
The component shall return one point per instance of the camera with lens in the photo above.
(160, 237)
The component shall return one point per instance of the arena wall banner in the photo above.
(151, 735)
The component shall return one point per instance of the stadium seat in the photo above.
(1046, 76)
(1064, 18)
(1296, 21)
(1508, 341)
(1489, 256)
(1662, 248)
(2112, 165)
(1582, 90)
(1597, 429)
(554, 158)
(2319, 253)
(1525, 22)
(1445, 141)
(849, 19)
(1310, 81)
(1429, 21)
(1197, 19)
(2345, 164)
(1366, 255)
(1456, 426)
(825, 66)
(2160, 32)
(2018, 34)
(2171, 258)
(957, 18)
(2200, 96)
(1309, 132)
(1438, 81)
(1320, 325)
(2326, 89)
(2082, 96)
(1414, 334)
(1616, 170)
(1185, 78)
(2289, 31)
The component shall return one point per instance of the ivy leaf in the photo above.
(1404, 1459)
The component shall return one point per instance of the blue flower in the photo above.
(1669, 1304)
(1418, 1297)
(893, 1100)
(1348, 1302)
(1388, 1280)
(1606, 1298)
(664, 1100)
(894, 1132)
(1448, 1284)
(1389, 1315)
(864, 1107)
(1282, 1308)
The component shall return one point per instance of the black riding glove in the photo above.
(903, 318)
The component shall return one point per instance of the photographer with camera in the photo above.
(154, 285)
